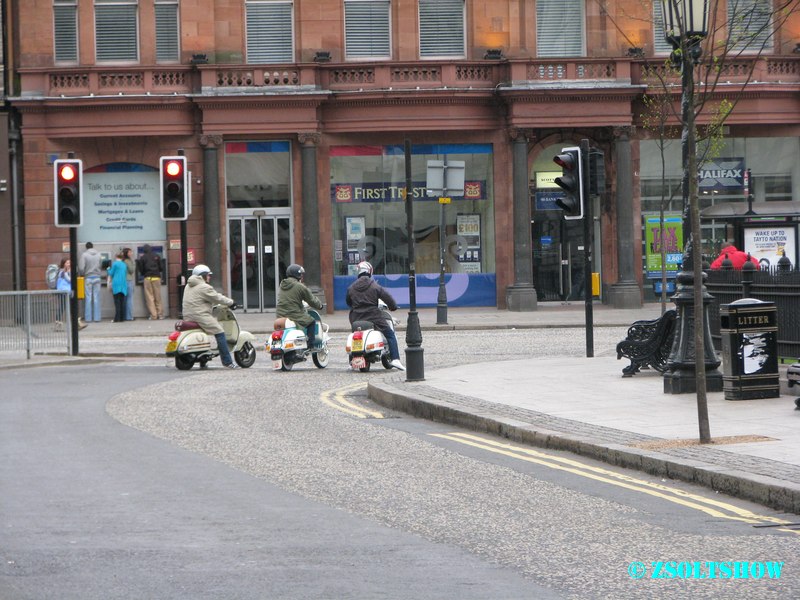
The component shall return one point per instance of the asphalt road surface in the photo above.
(133, 480)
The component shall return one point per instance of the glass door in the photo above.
(260, 251)
(558, 257)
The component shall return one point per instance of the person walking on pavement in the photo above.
(89, 266)
(362, 298)
(150, 267)
(131, 282)
(199, 298)
(291, 296)
(119, 286)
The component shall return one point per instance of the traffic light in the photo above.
(571, 181)
(67, 180)
(174, 200)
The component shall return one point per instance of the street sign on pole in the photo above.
(445, 178)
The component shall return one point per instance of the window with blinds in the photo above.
(116, 30)
(270, 32)
(167, 35)
(65, 30)
(660, 43)
(441, 29)
(367, 29)
(750, 25)
(559, 28)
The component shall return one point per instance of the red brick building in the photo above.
(293, 116)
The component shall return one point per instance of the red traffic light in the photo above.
(67, 173)
(565, 161)
(67, 192)
(174, 192)
(173, 168)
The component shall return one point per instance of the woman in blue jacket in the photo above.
(118, 273)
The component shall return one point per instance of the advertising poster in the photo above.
(122, 206)
(768, 243)
(468, 227)
(670, 237)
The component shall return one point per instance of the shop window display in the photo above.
(369, 214)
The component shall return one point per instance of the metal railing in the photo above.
(780, 287)
(35, 321)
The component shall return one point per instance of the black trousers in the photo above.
(119, 307)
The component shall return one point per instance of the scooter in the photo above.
(190, 344)
(288, 344)
(367, 345)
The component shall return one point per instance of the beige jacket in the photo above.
(198, 298)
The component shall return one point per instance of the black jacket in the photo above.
(362, 298)
(149, 264)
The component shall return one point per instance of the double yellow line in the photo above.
(337, 399)
(709, 506)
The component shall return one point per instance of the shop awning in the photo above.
(740, 210)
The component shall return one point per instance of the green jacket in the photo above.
(290, 302)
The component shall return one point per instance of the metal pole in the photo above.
(184, 259)
(415, 366)
(587, 250)
(441, 299)
(73, 296)
(73, 274)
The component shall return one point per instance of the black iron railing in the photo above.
(780, 287)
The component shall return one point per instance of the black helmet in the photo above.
(295, 271)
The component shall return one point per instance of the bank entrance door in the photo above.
(558, 258)
(260, 250)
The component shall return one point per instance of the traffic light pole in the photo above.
(588, 223)
(184, 257)
(73, 296)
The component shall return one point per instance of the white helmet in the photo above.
(201, 270)
(364, 268)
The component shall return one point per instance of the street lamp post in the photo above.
(686, 24)
(415, 361)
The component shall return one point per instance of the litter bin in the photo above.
(749, 330)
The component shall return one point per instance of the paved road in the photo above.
(240, 489)
(92, 509)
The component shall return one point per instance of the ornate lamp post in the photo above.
(686, 25)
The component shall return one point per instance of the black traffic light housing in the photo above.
(174, 188)
(68, 183)
(571, 181)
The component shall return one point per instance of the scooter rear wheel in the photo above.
(184, 362)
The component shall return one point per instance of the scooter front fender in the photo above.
(244, 337)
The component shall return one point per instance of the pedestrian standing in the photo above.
(131, 266)
(119, 286)
(63, 284)
(151, 267)
(89, 267)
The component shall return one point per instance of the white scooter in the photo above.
(190, 344)
(367, 345)
(288, 344)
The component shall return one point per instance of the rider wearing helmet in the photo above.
(290, 301)
(362, 298)
(199, 297)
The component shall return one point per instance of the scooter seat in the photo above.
(362, 325)
(186, 325)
